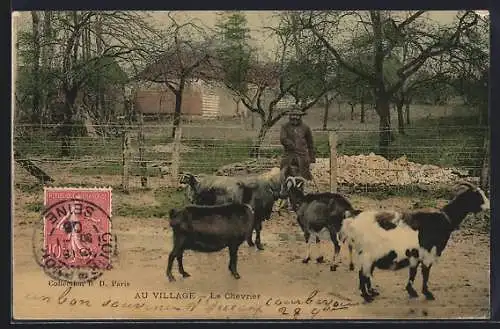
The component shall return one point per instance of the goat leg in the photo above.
(171, 258)
(363, 281)
(233, 260)
(351, 264)
(425, 279)
(249, 240)
(258, 228)
(307, 237)
(409, 286)
(372, 291)
(336, 248)
(181, 266)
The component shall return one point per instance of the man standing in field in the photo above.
(296, 138)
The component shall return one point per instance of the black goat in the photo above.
(392, 240)
(317, 211)
(210, 229)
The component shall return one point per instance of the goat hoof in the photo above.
(373, 292)
(317, 240)
(320, 260)
(351, 267)
(429, 295)
(333, 267)
(185, 275)
(250, 243)
(306, 260)
(171, 278)
(367, 298)
(260, 246)
(412, 293)
(236, 276)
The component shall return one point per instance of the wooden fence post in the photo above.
(485, 168)
(125, 160)
(143, 164)
(176, 156)
(332, 139)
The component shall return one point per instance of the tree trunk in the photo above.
(401, 123)
(352, 110)
(100, 106)
(67, 125)
(255, 151)
(382, 98)
(325, 114)
(178, 108)
(385, 133)
(362, 119)
(46, 59)
(35, 114)
(407, 112)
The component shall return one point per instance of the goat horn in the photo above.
(301, 179)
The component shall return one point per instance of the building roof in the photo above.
(170, 65)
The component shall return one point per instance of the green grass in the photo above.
(167, 198)
(446, 141)
(34, 206)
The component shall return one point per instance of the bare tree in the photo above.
(292, 73)
(386, 34)
(36, 99)
(179, 60)
(122, 36)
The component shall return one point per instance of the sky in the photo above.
(257, 21)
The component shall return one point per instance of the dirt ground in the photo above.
(274, 282)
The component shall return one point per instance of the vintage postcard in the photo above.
(250, 165)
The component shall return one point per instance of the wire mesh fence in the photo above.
(426, 155)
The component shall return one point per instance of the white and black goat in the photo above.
(393, 240)
(317, 211)
(214, 190)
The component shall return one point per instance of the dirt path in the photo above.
(275, 278)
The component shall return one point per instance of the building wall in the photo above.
(150, 101)
(199, 99)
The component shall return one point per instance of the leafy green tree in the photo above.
(234, 51)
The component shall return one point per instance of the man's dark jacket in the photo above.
(299, 148)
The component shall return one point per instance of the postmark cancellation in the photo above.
(77, 241)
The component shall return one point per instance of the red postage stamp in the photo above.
(77, 227)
